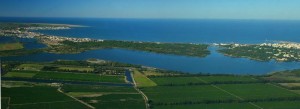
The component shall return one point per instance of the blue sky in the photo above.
(194, 9)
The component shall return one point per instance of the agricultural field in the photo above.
(209, 106)
(21, 74)
(190, 80)
(151, 72)
(76, 68)
(11, 46)
(66, 76)
(257, 91)
(93, 88)
(162, 89)
(106, 97)
(291, 85)
(79, 77)
(218, 92)
(38, 97)
(175, 80)
(279, 105)
(183, 94)
(142, 80)
(4, 102)
(30, 67)
(283, 76)
(116, 101)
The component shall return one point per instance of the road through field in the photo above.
(88, 105)
(240, 98)
(142, 93)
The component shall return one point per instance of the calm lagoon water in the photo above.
(188, 31)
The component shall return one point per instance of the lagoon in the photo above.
(164, 30)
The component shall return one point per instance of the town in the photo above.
(24, 32)
(281, 52)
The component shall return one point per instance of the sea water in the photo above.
(173, 30)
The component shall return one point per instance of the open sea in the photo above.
(170, 30)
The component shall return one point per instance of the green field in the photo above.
(11, 46)
(208, 106)
(107, 97)
(142, 80)
(214, 79)
(79, 77)
(175, 80)
(182, 94)
(257, 91)
(94, 88)
(54, 105)
(22, 74)
(4, 102)
(116, 101)
(279, 105)
(30, 67)
(39, 97)
(163, 90)
(66, 76)
(217, 92)
(76, 68)
(202, 80)
(264, 105)
(290, 75)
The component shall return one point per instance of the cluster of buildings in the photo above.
(47, 39)
(283, 45)
(284, 51)
(18, 33)
(47, 28)
(58, 38)
(285, 55)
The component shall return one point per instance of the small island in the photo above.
(66, 45)
(281, 52)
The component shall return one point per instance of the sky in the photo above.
(182, 9)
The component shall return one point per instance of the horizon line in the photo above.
(152, 18)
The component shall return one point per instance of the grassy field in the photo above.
(11, 46)
(264, 105)
(116, 101)
(209, 106)
(66, 76)
(290, 75)
(163, 92)
(22, 74)
(279, 105)
(175, 80)
(30, 67)
(142, 80)
(4, 102)
(201, 80)
(257, 91)
(76, 68)
(94, 88)
(54, 105)
(80, 77)
(181, 94)
(213, 79)
(290, 85)
(39, 97)
(151, 72)
(214, 94)
(106, 97)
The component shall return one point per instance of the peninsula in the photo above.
(65, 45)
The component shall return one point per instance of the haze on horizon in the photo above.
(182, 9)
